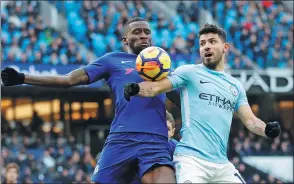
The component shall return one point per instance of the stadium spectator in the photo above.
(99, 21)
(12, 173)
(269, 20)
(68, 157)
(25, 32)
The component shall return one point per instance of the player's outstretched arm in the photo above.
(257, 126)
(147, 89)
(11, 77)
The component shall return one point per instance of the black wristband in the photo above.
(21, 77)
(135, 88)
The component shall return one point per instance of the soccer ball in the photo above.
(153, 64)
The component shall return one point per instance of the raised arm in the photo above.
(11, 77)
(74, 78)
(257, 126)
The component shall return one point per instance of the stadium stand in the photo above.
(262, 30)
(46, 157)
(26, 39)
(98, 26)
(267, 40)
(53, 157)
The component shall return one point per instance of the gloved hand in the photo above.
(272, 129)
(11, 77)
(131, 89)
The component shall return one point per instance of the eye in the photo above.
(213, 41)
(136, 32)
(202, 43)
(147, 32)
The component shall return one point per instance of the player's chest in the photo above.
(216, 89)
(125, 71)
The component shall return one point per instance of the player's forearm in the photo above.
(74, 78)
(49, 81)
(148, 89)
(151, 89)
(256, 126)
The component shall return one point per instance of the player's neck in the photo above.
(130, 51)
(220, 67)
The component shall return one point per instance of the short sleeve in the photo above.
(179, 77)
(97, 69)
(242, 98)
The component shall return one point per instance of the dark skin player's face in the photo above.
(138, 36)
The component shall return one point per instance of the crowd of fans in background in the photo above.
(264, 40)
(44, 157)
(49, 156)
(260, 30)
(26, 38)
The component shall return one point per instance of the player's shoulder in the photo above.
(188, 67)
(111, 57)
(115, 54)
(234, 80)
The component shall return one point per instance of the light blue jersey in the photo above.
(208, 100)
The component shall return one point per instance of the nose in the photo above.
(207, 48)
(143, 35)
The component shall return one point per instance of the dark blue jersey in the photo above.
(146, 115)
(172, 143)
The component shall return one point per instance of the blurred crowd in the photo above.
(26, 38)
(266, 40)
(99, 26)
(245, 143)
(44, 157)
(261, 30)
(50, 156)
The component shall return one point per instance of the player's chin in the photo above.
(207, 60)
(139, 48)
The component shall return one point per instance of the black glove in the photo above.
(131, 89)
(11, 77)
(272, 129)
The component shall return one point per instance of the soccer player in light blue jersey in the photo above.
(209, 98)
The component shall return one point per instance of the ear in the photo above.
(226, 47)
(124, 40)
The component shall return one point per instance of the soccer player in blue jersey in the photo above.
(171, 127)
(209, 97)
(138, 139)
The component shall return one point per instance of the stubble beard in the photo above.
(136, 50)
(213, 64)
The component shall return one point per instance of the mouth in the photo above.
(208, 54)
(144, 44)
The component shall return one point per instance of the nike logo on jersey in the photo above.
(126, 62)
(203, 82)
(129, 70)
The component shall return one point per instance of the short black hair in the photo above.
(134, 19)
(211, 28)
